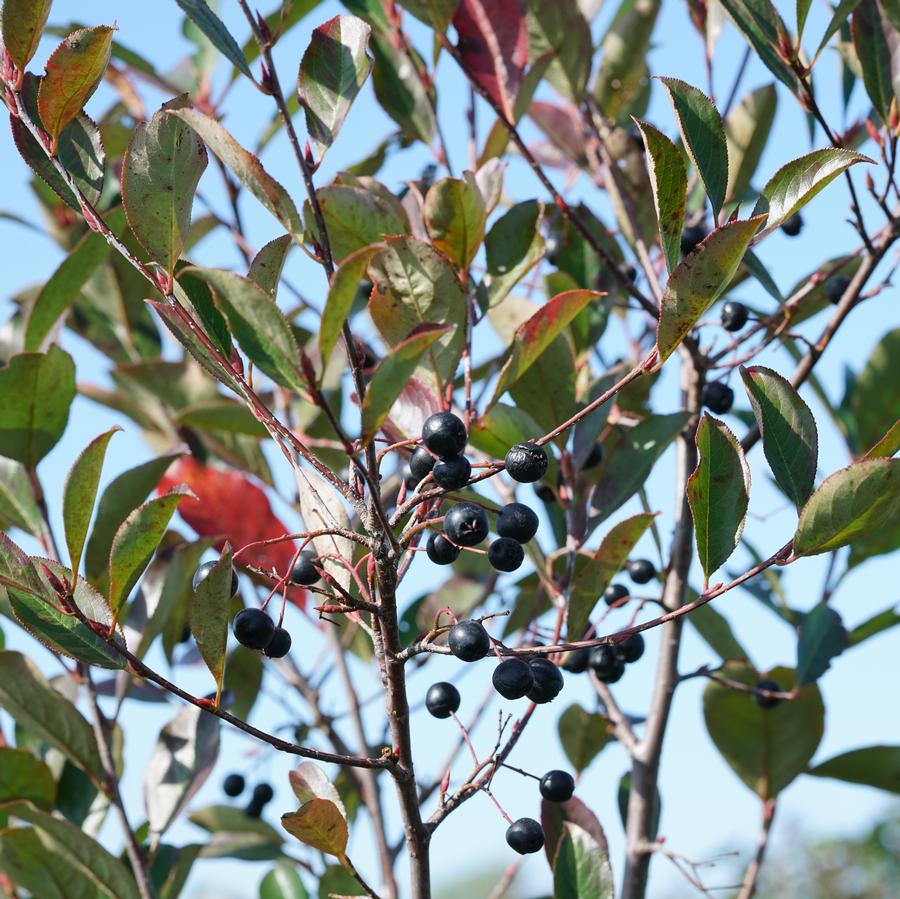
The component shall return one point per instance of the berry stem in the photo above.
(521, 771)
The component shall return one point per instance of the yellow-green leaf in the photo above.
(320, 824)
(22, 23)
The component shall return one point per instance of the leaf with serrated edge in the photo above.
(22, 24)
(208, 612)
(320, 824)
(559, 30)
(267, 265)
(309, 781)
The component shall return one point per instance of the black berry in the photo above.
(263, 793)
(734, 316)
(632, 648)
(630, 271)
(603, 659)
(304, 571)
(594, 457)
(518, 521)
(526, 462)
(280, 644)
(185, 634)
(690, 237)
(768, 702)
(557, 786)
(253, 628)
(466, 524)
(513, 679)
(613, 593)
(836, 287)
(233, 785)
(544, 493)
(548, 681)
(451, 473)
(506, 554)
(717, 397)
(202, 573)
(469, 641)
(442, 699)
(420, 464)
(525, 836)
(576, 661)
(440, 550)
(641, 571)
(615, 672)
(793, 225)
(444, 434)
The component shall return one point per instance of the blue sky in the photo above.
(706, 809)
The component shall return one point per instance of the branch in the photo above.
(751, 876)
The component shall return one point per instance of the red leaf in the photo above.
(493, 42)
(233, 507)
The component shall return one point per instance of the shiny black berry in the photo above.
(717, 397)
(444, 434)
(506, 554)
(440, 550)
(202, 573)
(253, 628)
(526, 836)
(304, 571)
(233, 785)
(613, 593)
(466, 524)
(594, 457)
(548, 681)
(420, 464)
(280, 644)
(632, 648)
(557, 786)
(793, 225)
(518, 521)
(451, 473)
(690, 237)
(836, 287)
(526, 462)
(576, 661)
(602, 659)
(469, 641)
(641, 571)
(512, 678)
(768, 702)
(442, 699)
(734, 316)
(263, 793)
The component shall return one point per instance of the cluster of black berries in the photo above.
(262, 794)
(444, 436)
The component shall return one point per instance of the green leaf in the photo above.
(37, 390)
(747, 129)
(399, 89)
(888, 445)
(454, 215)
(209, 613)
(839, 18)
(853, 503)
(80, 492)
(766, 748)
(512, 247)
(717, 633)
(30, 699)
(796, 183)
(29, 865)
(243, 678)
(581, 869)
(583, 735)
(74, 70)
(699, 280)
(533, 336)
(873, 49)
(332, 72)
(213, 27)
(594, 577)
(183, 759)
(282, 882)
(320, 824)
(761, 25)
(704, 137)
(788, 429)
(246, 168)
(268, 264)
(437, 13)
(718, 492)
(879, 622)
(22, 776)
(668, 178)
(136, 541)
(18, 508)
(336, 881)
(872, 409)
(871, 766)
(258, 325)
(222, 415)
(393, 374)
(160, 174)
(559, 30)
(821, 637)
(22, 23)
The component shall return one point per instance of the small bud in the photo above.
(875, 134)
(264, 30)
(894, 116)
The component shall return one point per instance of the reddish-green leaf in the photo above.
(22, 23)
(74, 70)
(718, 492)
(788, 429)
(320, 824)
(209, 611)
(699, 280)
(581, 869)
(747, 129)
(871, 766)
(332, 72)
(454, 216)
(213, 27)
(268, 264)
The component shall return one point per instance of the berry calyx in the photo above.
(202, 573)
(594, 457)
(506, 554)
(768, 702)
(466, 524)
(280, 644)
(691, 237)
(444, 434)
(442, 699)
(517, 521)
(548, 681)
(792, 225)
(253, 628)
(631, 649)
(557, 786)
(734, 316)
(615, 592)
(233, 785)
(576, 661)
(641, 571)
(836, 287)
(526, 462)
(304, 571)
(525, 836)
(512, 678)
(440, 550)
(420, 464)
(469, 641)
(717, 397)
(452, 473)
